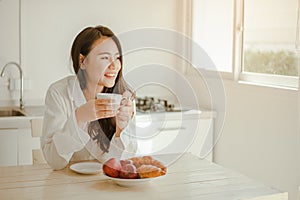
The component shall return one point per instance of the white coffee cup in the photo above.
(116, 97)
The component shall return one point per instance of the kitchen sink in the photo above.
(10, 113)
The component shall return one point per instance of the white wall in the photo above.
(9, 45)
(260, 136)
(9, 40)
(49, 28)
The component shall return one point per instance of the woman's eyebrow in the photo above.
(101, 53)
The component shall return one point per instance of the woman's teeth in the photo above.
(110, 75)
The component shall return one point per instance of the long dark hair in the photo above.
(101, 130)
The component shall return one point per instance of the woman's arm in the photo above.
(61, 134)
(125, 139)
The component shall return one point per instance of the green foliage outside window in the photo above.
(271, 62)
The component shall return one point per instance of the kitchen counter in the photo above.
(175, 115)
(30, 112)
(187, 178)
(34, 111)
(19, 135)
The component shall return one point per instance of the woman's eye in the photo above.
(105, 58)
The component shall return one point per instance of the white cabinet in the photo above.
(19, 136)
(16, 146)
(8, 147)
(26, 143)
(175, 133)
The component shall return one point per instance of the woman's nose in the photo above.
(113, 64)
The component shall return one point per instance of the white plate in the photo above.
(87, 167)
(131, 182)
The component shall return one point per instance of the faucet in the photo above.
(21, 82)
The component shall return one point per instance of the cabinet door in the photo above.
(8, 147)
(202, 145)
(178, 136)
(16, 147)
(25, 145)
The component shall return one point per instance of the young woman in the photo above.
(77, 125)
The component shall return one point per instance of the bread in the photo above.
(147, 167)
(149, 171)
(139, 161)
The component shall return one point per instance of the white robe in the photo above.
(63, 140)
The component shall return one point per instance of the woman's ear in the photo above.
(81, 59)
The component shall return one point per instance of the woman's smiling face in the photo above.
(102, 64)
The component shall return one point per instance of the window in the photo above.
(212, 30)
(269, 38)
(256, 40)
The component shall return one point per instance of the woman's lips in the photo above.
(110, 75)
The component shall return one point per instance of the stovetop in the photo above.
(152, 104)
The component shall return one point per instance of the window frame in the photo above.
(237, 74)
(288, 82)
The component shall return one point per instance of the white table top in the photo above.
(187, 178)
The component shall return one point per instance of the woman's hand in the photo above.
(124, 115)
(95, 109)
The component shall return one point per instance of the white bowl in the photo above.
(132, 182)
